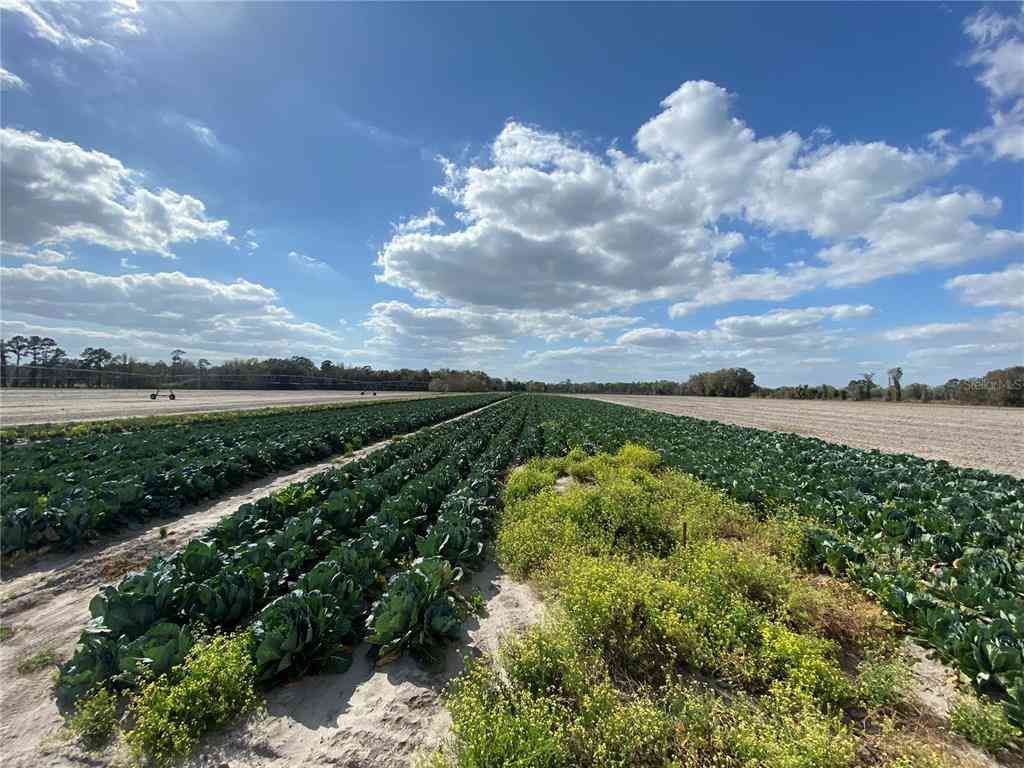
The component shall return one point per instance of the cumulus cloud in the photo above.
(163, 310)
(1003, 288)
(442, 331)
(57, 192)
(428, 221)
(785, 322)
(979, 345)
(11, 82)
(547, 223)
(997, 54)
(44, 256)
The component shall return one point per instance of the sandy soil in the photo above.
(37, 406)
(371, 717)
(934, 693)
(968, 436)
(46, 602)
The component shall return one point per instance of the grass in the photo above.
(37, 661)
(134, 424)
(682, 632)
(7, 632)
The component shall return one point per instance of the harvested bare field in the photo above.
(40, 406)
(967, 436)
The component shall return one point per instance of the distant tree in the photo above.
(726, 382)
(869, 383)
(177, 356)
(895, 374)
(202, 364)
(5, 352)
(95, 358)
(19, 348)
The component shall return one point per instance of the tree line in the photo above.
(726, 382)
(1003, 387)
(35, 361)
(38, 361)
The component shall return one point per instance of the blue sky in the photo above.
(543, 191)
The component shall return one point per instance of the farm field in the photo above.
(716, 586)
(967, 436)
(39, 406)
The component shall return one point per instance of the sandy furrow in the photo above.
(968, 436)
(370, 717)
(47, 605)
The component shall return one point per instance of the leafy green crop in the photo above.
(302, 566)
(66, 491)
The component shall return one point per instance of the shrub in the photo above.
(784, 729)
(840, 612)
(633, 455)
(533, 531)
(95, 718)
(528, 479)
(727, 568)
(215, 685)
(612, 731)
(803, 662)
(493, 724)
(982, 723)
(549, 660)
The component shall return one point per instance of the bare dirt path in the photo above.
(967, 436)
(46, 603)
(39, 406)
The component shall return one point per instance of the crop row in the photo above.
(62, 492)
(942, 547)
(302, 567)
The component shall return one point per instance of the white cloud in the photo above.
(162, 310)
(995, 353)
(786, 322)
(44, 256)
(308, 263)
(200, 133)
(79, 26)
(459, 333)
(428, 221)
(925, 331)
(57, 192)
(11, 82)
(251, 243)
(776, 341)
(374, 133)
(1003, 288)
(998, 56)
(549, 224)
(203, 134)
(979, 345)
